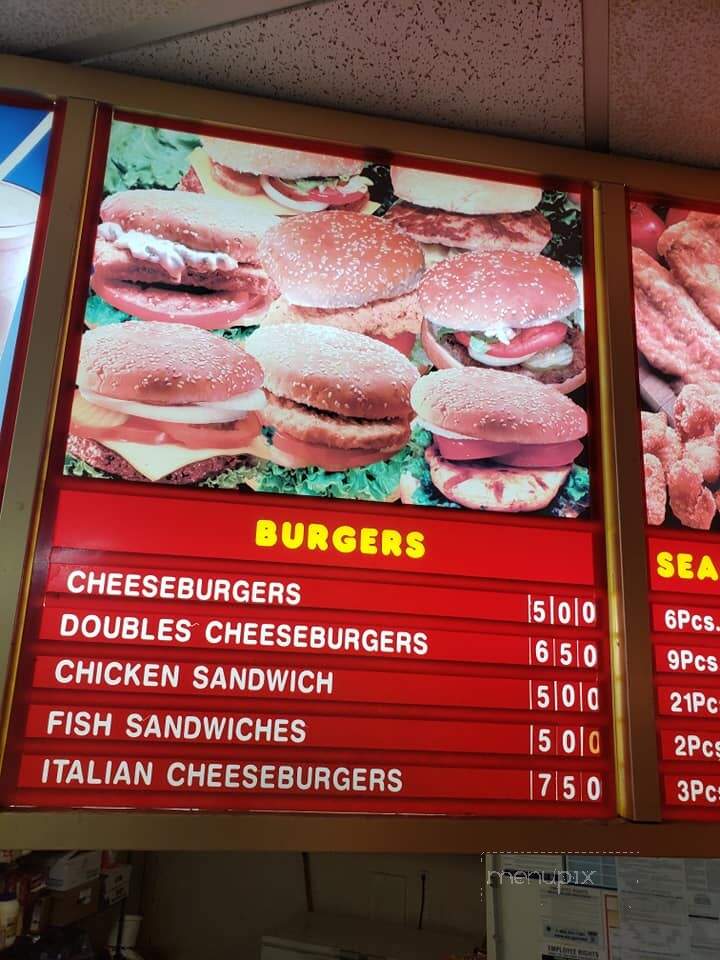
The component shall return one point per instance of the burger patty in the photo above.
(190, 183)
(575, 339)
(527, 232)
(386, 318)
(103, 458)
(115, 263)
(345, 433)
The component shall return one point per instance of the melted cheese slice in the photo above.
(259, 202)
(156, 461)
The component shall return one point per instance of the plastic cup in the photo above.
(18, 215)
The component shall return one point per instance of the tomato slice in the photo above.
(224, 436)
(532, 340)
(303, 454)
(542, 454)
(471, 449)
(321, 194)
(675, 215)
(216, 310)
(244, 184)
(645, 228)
(133, 430)
(404, 342)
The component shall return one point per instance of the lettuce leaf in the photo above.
(98, 313)
(78, 468)
(146, 157)
(573, 500)
(236, 334)
(566, 223)
(426, 494)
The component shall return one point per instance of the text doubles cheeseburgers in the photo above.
(518, 311)
(169, 256)
(448, 214)
(163, 401)
(275, 179)
(335, 399)
(345, 270)
(501, 441)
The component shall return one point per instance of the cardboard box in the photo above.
(116, 883)
(73, 869)
(69, 906)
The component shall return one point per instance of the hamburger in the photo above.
(448, 214)
(345, 270)
(336, 400)
(500, 441)
(277, 180)
(181, 258)
(507, 310)
(162, 402)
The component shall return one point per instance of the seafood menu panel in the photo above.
(321, 530)
(676, 270)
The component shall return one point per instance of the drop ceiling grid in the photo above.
(513, 68)
(665, 79)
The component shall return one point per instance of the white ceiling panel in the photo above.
(665, 79)
(513, 68)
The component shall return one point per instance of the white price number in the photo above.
(562, 611)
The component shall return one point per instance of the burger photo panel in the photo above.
(264, 318)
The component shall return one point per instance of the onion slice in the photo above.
(222, 411)
(440, 431)
(303, 206)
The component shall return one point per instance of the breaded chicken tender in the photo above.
(660, 439)
(690, 500)
(655, 489)
(697, 411)
(692, 250)
(704, 452)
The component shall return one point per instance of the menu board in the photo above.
(322, 530)
(24, 146)
(676, 264)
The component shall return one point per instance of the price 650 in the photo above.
(561, 611)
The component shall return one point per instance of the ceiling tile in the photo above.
(665, 79)
(29, 25)
(513, 68)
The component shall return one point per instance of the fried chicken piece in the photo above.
(655, 490)
(692, 250)
(705, 454)
(697, 411)
(690, 500)
(660, 439)
(672, 332)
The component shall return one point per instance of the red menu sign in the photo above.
(324, 538)
(675, 253)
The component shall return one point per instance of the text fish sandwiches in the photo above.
(180, 257)
(336, 400)
(449, 214)
(345, 270)
(163, 402)
(500, 441)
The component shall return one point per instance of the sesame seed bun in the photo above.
(335, 370)
(478, 290)
(194, 219)
(497, 406)
(164, 363)
(340, 259)
(428, 188)
(258, 158)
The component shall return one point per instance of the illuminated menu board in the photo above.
(322, 530)
(676, 256)
(24, 145)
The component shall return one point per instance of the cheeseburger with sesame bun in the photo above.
(499, 441)
(508, 310)
(281, 181)
(345, 270)
(448, 214)
(336, 400)
(162, 402)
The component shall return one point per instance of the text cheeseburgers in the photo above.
(507, 310)
(500, 441)
(335, 399)
(178, 257)
(163, 402)
(276, 179)
(450, 214)
(345, 270)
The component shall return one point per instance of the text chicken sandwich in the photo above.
(335, 400)
(345, 270)
(179, 257)
(277, 180)
(500, 441)
(451, 214)
(163, 402)
(506, 309)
